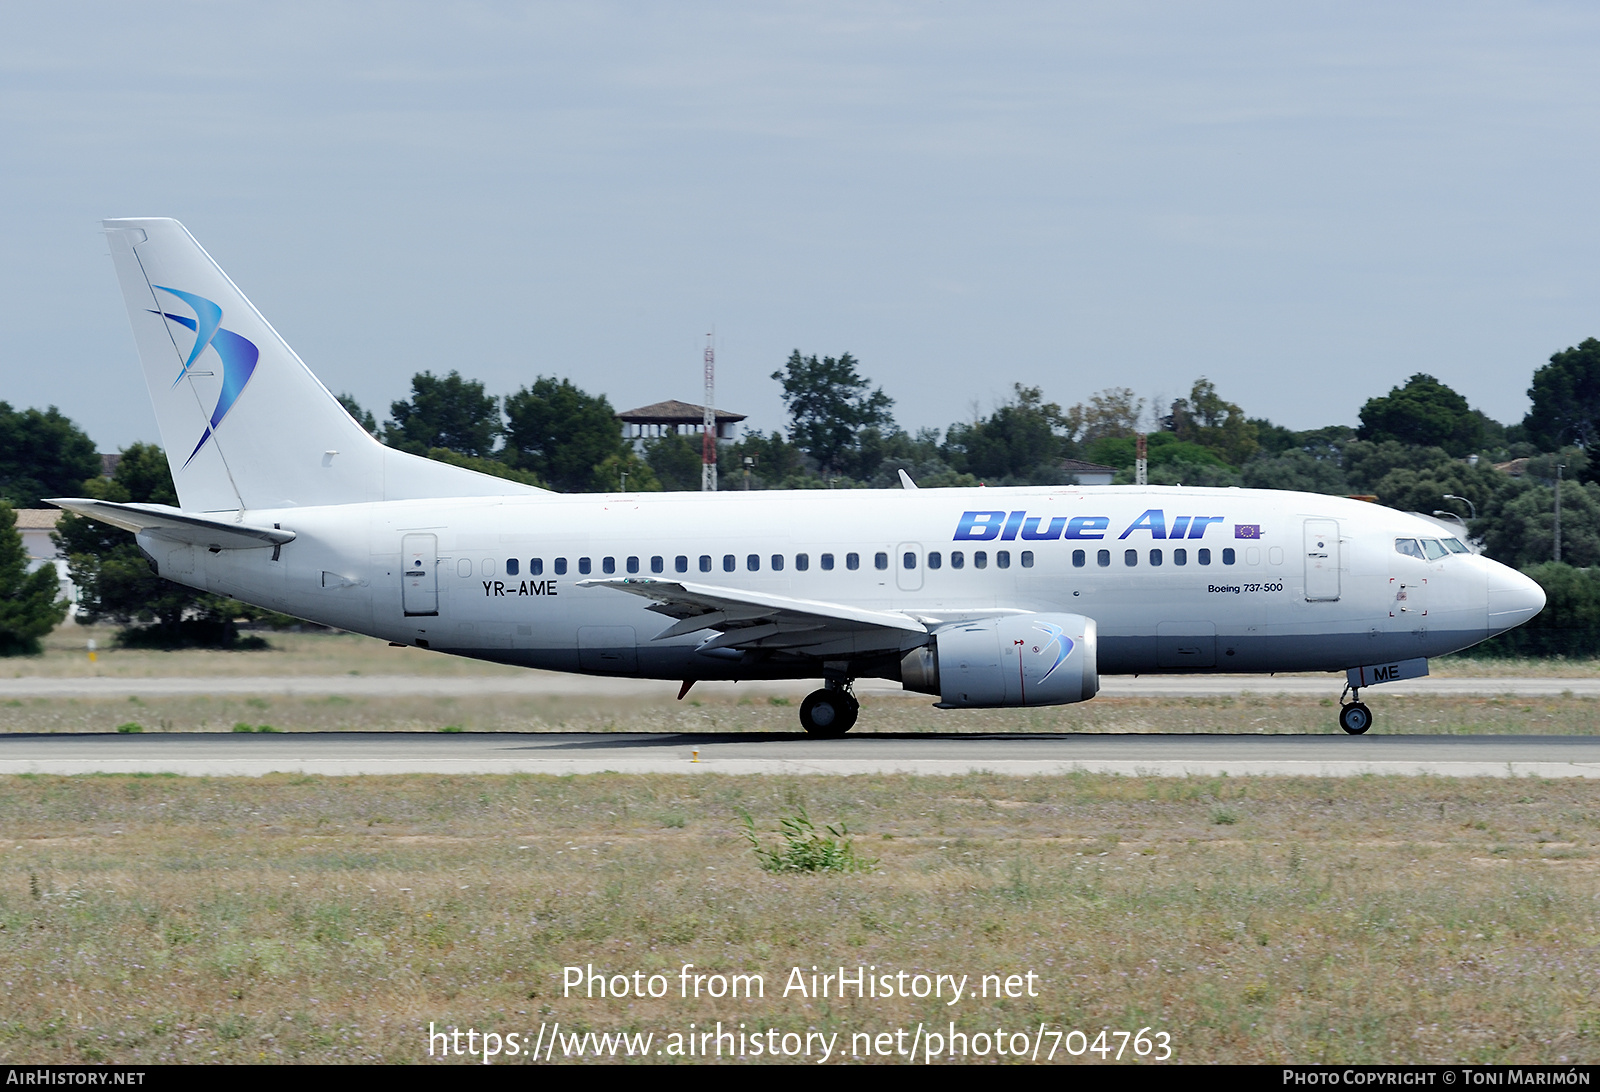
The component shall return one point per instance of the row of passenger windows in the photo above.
(753, 563)
(1130, 558)
(957, 559)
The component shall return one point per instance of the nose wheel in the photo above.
(1354, 717)
(829, 713)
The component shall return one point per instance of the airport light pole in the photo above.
(1559, 468)
(1465, 501)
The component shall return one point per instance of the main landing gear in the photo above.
(1354, 717)
(830, 712)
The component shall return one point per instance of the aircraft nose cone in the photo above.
(1513, 599)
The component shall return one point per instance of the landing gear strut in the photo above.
(830, 712)
(1354, 717)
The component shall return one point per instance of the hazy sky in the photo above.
(1306, 203)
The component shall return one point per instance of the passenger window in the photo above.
(1155, 557)
(827, 562)
(909, 560)
(852, 561)
(561, 566)
(583, 566)
(536, 566)
(1027, 559)
(980, 559)
(753, 563)
(802, 561)
(512, 566)
(658, 564)
(729, 563)
(1130, 558)
(608, 565)
(1180, 557)
(1433, 549)
(1409, 547)
(957, 559)
(1205, 557)
(1002, 559)
(935, 559)
(1228, 556)
(777, 563)
(1102, 558)
(680, 563)
(880, 560)
(1078, 559)
(705, 563)
(633, 564)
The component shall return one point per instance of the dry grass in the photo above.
(1257, 920)
(716, 713)
(313, 653)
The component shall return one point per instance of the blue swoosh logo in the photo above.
(238, 355)
(1062, 642)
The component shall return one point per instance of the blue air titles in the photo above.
(984, 526)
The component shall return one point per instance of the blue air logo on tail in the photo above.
(238, 355)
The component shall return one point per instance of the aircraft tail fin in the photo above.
(244, 422)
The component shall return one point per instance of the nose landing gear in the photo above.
(1354, 717)
(830, 712)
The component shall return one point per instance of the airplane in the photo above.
(1004, 597)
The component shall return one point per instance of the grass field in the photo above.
(1264, 714)
(1254, 920)
(707, 710)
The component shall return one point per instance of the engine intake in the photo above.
(1021, 659)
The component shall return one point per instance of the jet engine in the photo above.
(1019, 659)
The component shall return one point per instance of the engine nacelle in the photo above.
(1020, 659)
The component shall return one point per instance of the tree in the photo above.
(1021, 442)
(30, 603)
(1423, 412)
(1295, 469)
(445, 411)
(561, 433)
(1518, 524)
(114, 579)
(623, 472)
(1221, 427)
(675, 460)
(829, 406)
(42, 455)
(1566, 399)
(1113, 412)
(363, 417)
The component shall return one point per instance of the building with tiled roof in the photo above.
(672, 416)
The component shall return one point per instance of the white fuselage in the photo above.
(1176, 579)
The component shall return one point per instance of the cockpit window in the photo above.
(1432, 548)
(1456, 546)
(1409, 547)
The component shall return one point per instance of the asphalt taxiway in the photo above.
(347, 754)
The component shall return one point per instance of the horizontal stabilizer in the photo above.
(167, 522)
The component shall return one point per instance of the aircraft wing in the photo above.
(753, 620)
(167, 522)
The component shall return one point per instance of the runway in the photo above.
(552, 684)
(349, 754)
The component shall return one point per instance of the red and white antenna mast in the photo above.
(708, 446)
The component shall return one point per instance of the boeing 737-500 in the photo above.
(982, 597)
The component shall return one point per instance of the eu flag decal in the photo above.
(1247, 530)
